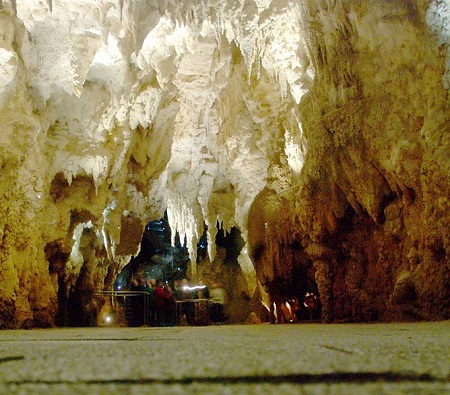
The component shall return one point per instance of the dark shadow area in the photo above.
(157, 258)
(302, 378)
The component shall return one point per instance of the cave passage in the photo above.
(155, 288)
(157, 258)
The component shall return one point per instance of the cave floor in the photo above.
(401, 358)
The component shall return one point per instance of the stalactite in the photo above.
(336, 111)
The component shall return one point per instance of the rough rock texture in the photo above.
(318, 128)
(372, 208)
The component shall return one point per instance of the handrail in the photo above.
(124, 295)
(120, 292)
(193, 300)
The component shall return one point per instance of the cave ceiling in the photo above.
(317, 128)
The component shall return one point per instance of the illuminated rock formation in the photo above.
(317, 128)
(371, 209)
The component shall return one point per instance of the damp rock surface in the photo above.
(318, 129)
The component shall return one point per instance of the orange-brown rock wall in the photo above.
(371, 211)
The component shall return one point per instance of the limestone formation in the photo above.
(317, 128)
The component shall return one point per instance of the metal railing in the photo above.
(133, 304)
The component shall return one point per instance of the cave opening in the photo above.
(157, 258)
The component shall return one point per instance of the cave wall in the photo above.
(318, 128)
(371, 211)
